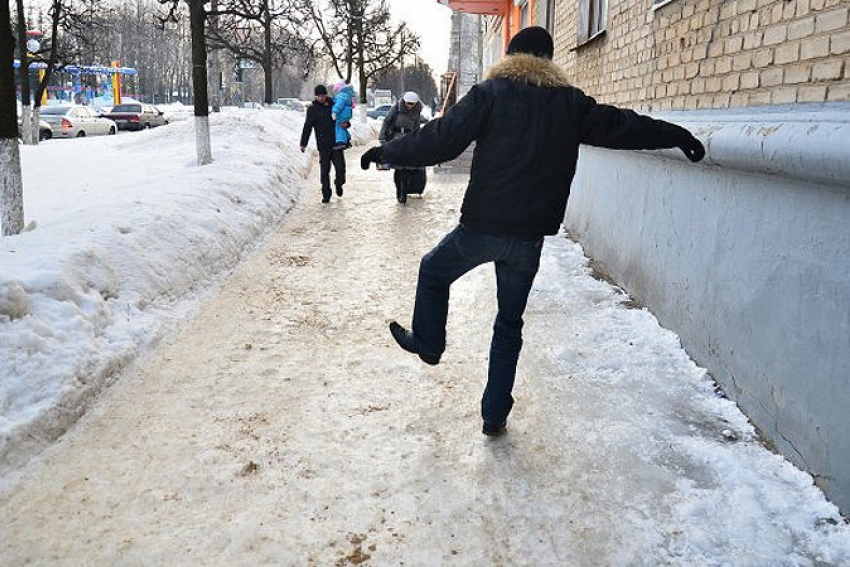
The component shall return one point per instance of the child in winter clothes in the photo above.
(342, 112)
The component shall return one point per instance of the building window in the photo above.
(592, 19)
(550, 16)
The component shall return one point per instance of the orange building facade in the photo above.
(504, 18)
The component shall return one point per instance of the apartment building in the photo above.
(686, 54)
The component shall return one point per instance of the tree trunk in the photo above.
(349, 59)
(197, 17)
(35, 120)
(23, 73)
(215, 81)
(268, 85)
(401, 75)
(361, 63)
(268, 64)
(51, 61)
(11, 181)
(215, 69)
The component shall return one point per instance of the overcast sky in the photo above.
(432, 21)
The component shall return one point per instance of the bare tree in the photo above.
(68, 37)
(197, 22)
(23, 74)
(358, 36)
(215, 85)
(263, 31)
(418, 78)
(380, 45)
(11, 181)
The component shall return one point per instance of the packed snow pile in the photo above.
(125, 233)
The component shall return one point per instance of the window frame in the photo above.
(592, 20)
(550, 16)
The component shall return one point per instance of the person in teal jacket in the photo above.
(342, 112)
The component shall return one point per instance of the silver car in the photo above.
(45, 132)
(77, 121)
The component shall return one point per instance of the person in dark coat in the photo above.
(527, 122)
(404, 117)
(319, 119)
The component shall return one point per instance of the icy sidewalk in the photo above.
(129, 231)
(281, 426)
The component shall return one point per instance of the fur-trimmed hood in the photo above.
(529, 69)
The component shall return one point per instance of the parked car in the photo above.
(292, 104)
(379, 111)
(296, 105)
(136, 116)
(384, 109)
(45, 132)
(77, 121)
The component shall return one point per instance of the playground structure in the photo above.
(94, 85)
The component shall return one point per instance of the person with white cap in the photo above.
(403, 118)
(527, 121)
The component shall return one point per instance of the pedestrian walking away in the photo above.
(404, 117)
(527, 121)
(319, 119)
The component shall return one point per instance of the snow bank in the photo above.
(128, 232)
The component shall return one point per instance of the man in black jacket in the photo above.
(319, 119)
(527, 122)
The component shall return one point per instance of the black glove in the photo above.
(691, 147)
(372, 155)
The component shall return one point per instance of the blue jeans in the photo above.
(517, 260)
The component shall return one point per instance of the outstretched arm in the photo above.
(622, 129)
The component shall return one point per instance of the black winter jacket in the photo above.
(527, 122)
(319, 118)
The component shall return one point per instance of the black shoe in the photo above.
(408, 342)
(326, 199)
(339, 190)
(494, 429)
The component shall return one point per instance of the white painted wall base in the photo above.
(747, 258)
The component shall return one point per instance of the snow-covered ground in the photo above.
(125, 232)
(281, 425)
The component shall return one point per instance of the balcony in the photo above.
(486, 7)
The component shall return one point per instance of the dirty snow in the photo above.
(128, 230)
(278, 424)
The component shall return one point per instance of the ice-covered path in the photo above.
(282, 427)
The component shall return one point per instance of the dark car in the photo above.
(136, 116)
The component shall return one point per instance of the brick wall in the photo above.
(710, 53)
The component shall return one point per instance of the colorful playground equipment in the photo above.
(85, 84)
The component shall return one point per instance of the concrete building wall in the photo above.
(747, 258)
(465, 50)
(689, 54)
